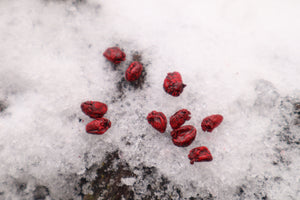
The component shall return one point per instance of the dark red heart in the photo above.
(200, 154)
(115, 55)
(179, 118)
(211, 122)
(158, 121)
(98, 126)
(173, 84)
(184, 135)
(134, 71)
(94, 109)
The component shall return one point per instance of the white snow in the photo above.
(237, 58)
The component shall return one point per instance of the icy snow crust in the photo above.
(237, 58)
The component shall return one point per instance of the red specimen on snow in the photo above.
(98, 126)
(134, 71)
(179, 118)
(94, 109)
(200, 154)
(158, 121)
(211, 122)
(173, 84)
(184, 135)
(115, 55)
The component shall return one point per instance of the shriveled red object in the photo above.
(179, 118)
(211, 122)
(94, 109)
(184, 135)
(134, 71)
(173, 84)
(158, 121)
(200, 154)
(115, 55)
(98, 126)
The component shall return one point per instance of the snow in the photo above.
(237, 58)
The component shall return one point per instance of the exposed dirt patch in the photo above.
(3, 106)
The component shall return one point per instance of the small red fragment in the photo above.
(179, 118)
(211, 122)
(115, 55)
(158, 121)
(94, 109)
(134, 71)
(98, 126)
(200, 154)
(173, 84)
(184, 135)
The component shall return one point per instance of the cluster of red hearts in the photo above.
(182, 136)
(95, 109)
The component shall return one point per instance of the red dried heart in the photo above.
(173, 84)
(134, 71)
(211, 122)
(98, 126)
(184, 135)
(94, 109)
(179, 118)
(200, 154)
(158, 121)
(115, 55)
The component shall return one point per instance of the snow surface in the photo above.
(237, 58)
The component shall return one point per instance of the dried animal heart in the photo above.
(184, 135)
(200, 154)
(115, 55)
(211, 122)
(134, 71)
(179, 118)
(173, 84)
(98, 126)
(94, 109)
(158, 121)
